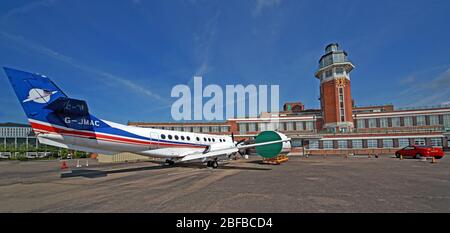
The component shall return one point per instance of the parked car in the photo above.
(420, 151)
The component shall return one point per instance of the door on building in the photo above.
(154, 137)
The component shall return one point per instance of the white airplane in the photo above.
(64, 122)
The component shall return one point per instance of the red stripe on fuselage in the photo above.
(46, 128)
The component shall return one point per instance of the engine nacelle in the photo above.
(272, 150)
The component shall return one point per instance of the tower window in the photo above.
(339, 70)
(328, 73)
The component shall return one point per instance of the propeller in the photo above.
(237, 143)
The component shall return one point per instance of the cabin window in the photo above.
(163, 136)
(198, 139)
(176, 137)
(188, 138)
(204, 139)
(182, 138)
(170, 137)
(209, 139)
(213, 140)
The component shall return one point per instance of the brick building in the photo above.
(339, 127)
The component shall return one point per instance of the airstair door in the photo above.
(154, 137)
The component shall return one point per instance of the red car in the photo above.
(420, 151)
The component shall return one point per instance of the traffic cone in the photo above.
(64, 165)
(433, 160)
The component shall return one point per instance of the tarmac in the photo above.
(313, 185)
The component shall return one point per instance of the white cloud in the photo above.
(29, 45)
(425, 91)
(203, 42)
(264, 4)
(18, 11)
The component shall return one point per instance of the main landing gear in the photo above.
(212, 164)
(170, 162)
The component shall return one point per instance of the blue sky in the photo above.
(124, 56)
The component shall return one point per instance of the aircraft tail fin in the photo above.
(45, 102)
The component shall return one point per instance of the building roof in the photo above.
(11, 124)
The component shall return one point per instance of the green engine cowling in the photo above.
(271, 150)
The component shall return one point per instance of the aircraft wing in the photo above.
(226, 151)
(214, 153)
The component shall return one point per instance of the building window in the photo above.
(403, 142)
(383, 122)
(299, 125)
(361, 123)
(313, 144)
(328, 144)
(407, 121)
(395, 121)
(357, 144)
(388, 143)
(372, 123)
(342, 144)
(196, 129)
(224, 129)
(205, 129)
(296, 143)
(215, 129)
(274, 126)
(290, 126)
(252, 127)
(309, 125)
(420, 120)
(372, 143)
(436, 141)
(242, 128)
(341, 104)
(419, 141)
(446, 120)
(434, 120)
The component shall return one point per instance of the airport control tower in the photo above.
(335, 93)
